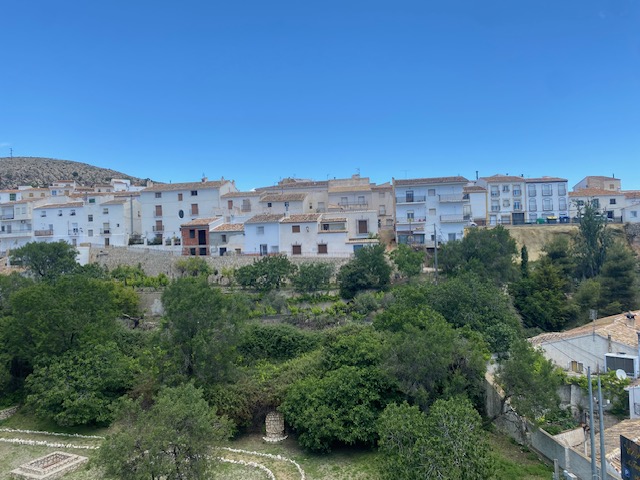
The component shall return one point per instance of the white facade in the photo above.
(631, 210)
(546, 197)
(56, 222)
(227, 239)
(262, 234)
(505, 199)
(430, 208)
(109, 220)
(477, 198)
(610, 203)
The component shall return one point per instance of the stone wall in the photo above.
(157, 260)
(8, 412)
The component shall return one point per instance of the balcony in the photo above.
(245, 208)
(495, 208)
(517, 193)
(7, 216)
(411, 199)
(453, 218)
(453, 198)
(74, 232)
(411, 220)
(495, 194)
(158, 228)
(353, 206)
(105, 231)
(43, 233)
(24, 231)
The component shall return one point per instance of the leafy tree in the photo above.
(169, 440)
(587, 296)
(201, 328)
(129, 274)
(408, 261)
(266, 274)
(558, 251)
(9, 284)
(340, 407)
(369, 269)
(448, 443)
(488, 253)
(193, 267)
(312, 277)
(79, 387)
(275, 342)
(618, 280)
(592, 241)
(530, 381)
(524, 262)
(46, 261)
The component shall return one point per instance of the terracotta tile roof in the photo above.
(632, 194)
(434, 180)
(240, 194)
(333, 219)
(286, 197)
(115, 201)
(617, 326)
(229, 227)
(301, 218)
(544, 179)
(306, 184)
(352, 188)
(168, 187)
(473, 189)
(627, 428)
(200, 222)
(382, 186)
(593, 192)
(502, 178)
(265, 218)
(61, 205)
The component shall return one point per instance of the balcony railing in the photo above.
(452, 218)
(73, 232)
(453, 198)
(43, 233)
(105, 231)
(158, 228)
(7, 216)
(495, 194)
(411, 199)
(22, 231)
(411, 220)
(517, 193)
(495, 208)
(353, 205)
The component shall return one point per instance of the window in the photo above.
(363, 227)
(612, 201)
(179, 197)
(495, 206)
(495, 192)
(432, 212)
(532, 205)
(452, 237)
(192, 233)
(73, 212)
(547, 189)
(634, 214)
(192, 251)
(246, 205)
(194, 193)
(562, 203)
(408, 196)
(431, 192)
(410, 214)
(181, 213)
(505, 188)
(203, 251)
(229, 204)
(296, 249)
(516, 191)
(547, 204)
(595, 203)
(506, 203)
(43, 213)
(12, 197)
(562, 189)
(268, 204)
(361, 200)
(517, 205)
(531, 190)
(382, 210)
(580, 203)
(92, 200)
(322, 248)
(105, 211)
(223, 238)
(158, 195)
(90, 233)
(260, 230)
(194, 209)
(90, 218)
(295, 228)
(158, 211)
(611, 187)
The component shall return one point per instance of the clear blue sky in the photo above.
(257, 90)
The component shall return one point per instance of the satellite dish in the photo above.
(621, 374)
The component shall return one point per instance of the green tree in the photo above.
(530, 382)
(559, 252)
(46, 261)
(489, 253)
(79, 387)
(266, 274)
(524, 261)
(408, 261)
(170, 440)
(312, 277)
(369, 269)
(201, 328)
(448, 443)
(592, 242)
(193, 267)
(618, 277)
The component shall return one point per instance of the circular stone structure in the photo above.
(274, 425)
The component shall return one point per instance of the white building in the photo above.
(477, 198)
(262, 234)
(430, 208)
(547, 198)
(227, 239)
(611, 203)
(505, 196)
(610, 184)
(631, 210)
(164, 207)
(54, 222)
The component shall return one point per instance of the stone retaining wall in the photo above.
(8, 412)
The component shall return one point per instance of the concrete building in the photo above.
(546, 198)
(196, 236)
(505, 197)
(610, 202)
(610, 184)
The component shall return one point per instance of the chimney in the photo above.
(204, 179)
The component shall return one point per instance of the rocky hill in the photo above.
(42, 172)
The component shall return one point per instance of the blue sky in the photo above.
(257, 90)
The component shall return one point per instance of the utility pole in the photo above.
(592, 434)
(603, 460)
(11, 153)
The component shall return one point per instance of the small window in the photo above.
(92, 200)
(410, 215)
(296, 249)
(361, 200)
(59, 213)
(223, 238)
(431, 192)
(452, 237)
(194, 193)
(295, 228)
(179, 197)
(158, 194)
(562, 189)
(192, 251)
(43, 213)
(90, 218)
(269, 204)
(506, 203)
(181, 213)
(73, 212)
(363, 227)
(634, 214)
(260, 230)
(105, 211)
(322, 248)
(12, 197)
(229, 204)
(547, 189)
(505, 188)
(612, 201)
(192, 233)
(194, 209)
(203, 251)
(382, 210)
(90, 233)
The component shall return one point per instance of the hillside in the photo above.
(42, 172)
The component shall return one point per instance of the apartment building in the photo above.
(505, 199)
(430, 209)
(547, 198)
(610, 202)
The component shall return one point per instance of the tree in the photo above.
(46, 261)
(369, 269)
(530, 381)
(266, 274)
(201, 328)
(618, 280)
(488, 253)
(79, 387)
(408, 261)
(593, 240)
(169, 440)
(448, 443)
(193, 267)
(312, 277)
(524, 262)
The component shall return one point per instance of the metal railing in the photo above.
(43, 233)
(411, 199)
(451, 198)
